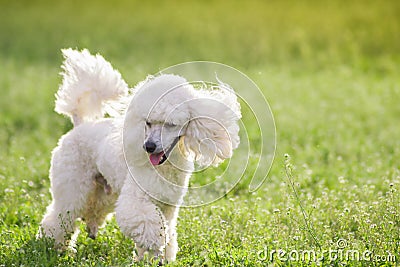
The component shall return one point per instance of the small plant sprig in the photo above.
(308, 225)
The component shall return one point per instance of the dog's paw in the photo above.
(92, 229)
(149, 256)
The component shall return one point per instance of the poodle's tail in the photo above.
(90, 86)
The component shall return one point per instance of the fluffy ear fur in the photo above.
(212, 132)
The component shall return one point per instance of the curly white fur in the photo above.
(89, 174)
(89, 82)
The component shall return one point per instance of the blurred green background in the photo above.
(329, 69)
(248, 34)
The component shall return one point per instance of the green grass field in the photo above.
(330, 71)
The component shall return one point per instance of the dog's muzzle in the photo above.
(160, 157)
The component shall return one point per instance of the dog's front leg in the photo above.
(142, 220)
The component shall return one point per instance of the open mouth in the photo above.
(161, 157)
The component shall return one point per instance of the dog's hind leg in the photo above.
(58, 223)
(71, 184)
(100, 203)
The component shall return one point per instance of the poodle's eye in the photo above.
(170, 124)
(148, 124)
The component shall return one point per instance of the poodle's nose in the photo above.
(149, 146)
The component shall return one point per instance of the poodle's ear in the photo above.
(212, 132)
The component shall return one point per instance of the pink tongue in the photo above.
(156, 158)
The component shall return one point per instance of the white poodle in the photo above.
(133, 151)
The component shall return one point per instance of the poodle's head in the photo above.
(200, 125)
